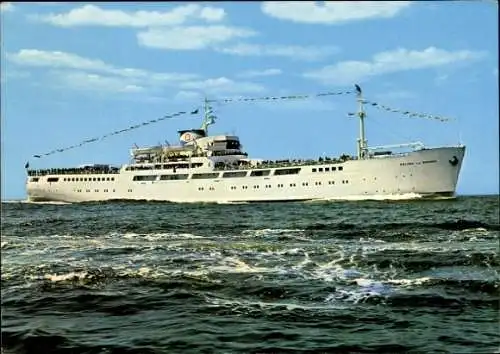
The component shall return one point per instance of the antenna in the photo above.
(362, 143)
(209, 116)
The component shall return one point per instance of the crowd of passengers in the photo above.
(180, 157)
(74, 171)
(283, 163)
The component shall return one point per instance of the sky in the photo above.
(76, 71)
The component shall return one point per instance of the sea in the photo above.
(384, 276)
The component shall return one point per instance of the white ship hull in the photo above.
(427, 172)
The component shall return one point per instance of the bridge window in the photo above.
(204, 175)
(234, 174)
(260, 173)
(52, 179)
(314, 170)
(144, 178)
(34, 179)
(287, 171)
(341, 168)
(173, 177)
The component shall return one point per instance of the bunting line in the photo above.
(406, 112)
(251, 99)
(275, 98)
(136, 126)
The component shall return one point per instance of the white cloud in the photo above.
(35, 57)
(219, 37)
(63, 60)
(291, 51)
(260, 73)
(188, 96)
(349, 72)
(91, 15)
(222, 85)
(14, 74)
(332, 12)
(85, 81)
(81, 73)
(190, 37)
(6, 7)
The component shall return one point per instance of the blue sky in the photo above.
(75, 71)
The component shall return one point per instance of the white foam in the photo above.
(65, 277)
(409, 282)
(263, 304)
(267, 232)
(231, 202)
(404, 196)
(235, 265)
(34, 202)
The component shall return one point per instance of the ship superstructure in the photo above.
(215, 168)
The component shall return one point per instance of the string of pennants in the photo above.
(404, 112)
(249, 99)
(276, 98)
(88, 141)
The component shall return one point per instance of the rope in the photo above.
(405, 112)
(280, 98)
(88, 141)
(252, 99)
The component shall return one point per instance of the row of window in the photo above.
(76, 179)
(84, 179)
(328, 169)
(95, 190)
(211, 188)
(278, 185)
(213, 175)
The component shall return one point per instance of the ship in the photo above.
(216, 169)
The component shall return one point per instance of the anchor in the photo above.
(453, 161)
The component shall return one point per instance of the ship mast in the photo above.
(362, 143)
(209, 117)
